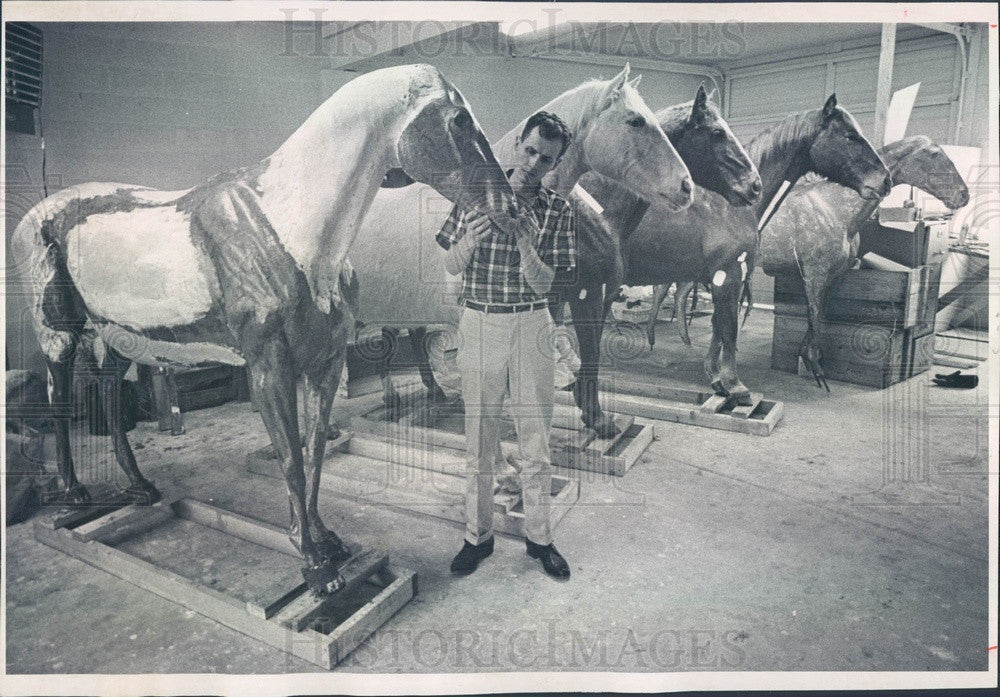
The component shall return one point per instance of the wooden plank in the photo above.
(103, 500)
(298, 613)
(600, 447)
(201, 599)
(363, 623)
(629, 387)
(713, 404)
(637, 445)
(953, 362)
(689, 414)
(131, 517)
(744, 412)
(237, 525)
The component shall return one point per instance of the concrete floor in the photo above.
(717, 551)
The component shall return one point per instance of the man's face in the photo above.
(534, 157)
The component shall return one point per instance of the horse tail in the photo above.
(746, 294)
(39, 263)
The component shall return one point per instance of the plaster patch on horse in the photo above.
(719, 278)
(142, 349)
(587, 198)
(135, 278)
(157, 196)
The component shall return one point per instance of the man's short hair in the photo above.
(549, 127)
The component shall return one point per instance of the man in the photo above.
(507, 344)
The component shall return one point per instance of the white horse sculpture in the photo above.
(403, 276)
(245, 269)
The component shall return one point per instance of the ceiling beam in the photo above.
(883, 92)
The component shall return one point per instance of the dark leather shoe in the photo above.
(553, 563)
(468, 558)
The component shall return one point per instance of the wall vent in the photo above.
(23, 75)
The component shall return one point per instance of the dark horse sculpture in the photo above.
(717, 162)
(713, 242)
(815, 233)
(245, 269)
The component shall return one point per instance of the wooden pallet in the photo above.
(572, 445)
(684, 406)
(283, 614)
(414, 478)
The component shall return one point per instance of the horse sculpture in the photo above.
(717, 163)
(245, 269)
(714, 242)
(815, 234)
(614, 131)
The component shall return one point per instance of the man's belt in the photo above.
(504, 308)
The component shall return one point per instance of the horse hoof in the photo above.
(144, 494)
(332, 433)
(333, 551)
(719, 389)
(74, 497)
(740, 398)
(323, 579)
(604, 425)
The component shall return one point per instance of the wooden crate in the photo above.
(868, 296)
(863, 354)
(282, 612)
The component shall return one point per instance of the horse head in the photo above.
(444, 146)
(842, 154)
(717, 160)
(920, 162)
(623, 140)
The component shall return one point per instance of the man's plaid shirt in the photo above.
(494, 272)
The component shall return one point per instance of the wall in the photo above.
(503, 90)
(163, 105)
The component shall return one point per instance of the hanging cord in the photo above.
(41, 134)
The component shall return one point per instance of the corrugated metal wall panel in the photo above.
(787, 91)
(759, 100)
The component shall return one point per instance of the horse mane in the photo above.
(789, 132)
(673, 117)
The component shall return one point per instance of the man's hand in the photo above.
(478, 226)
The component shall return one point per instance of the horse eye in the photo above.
(462, 119)
(718, 133)
(636, 122)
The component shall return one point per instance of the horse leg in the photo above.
(58, 324)
(274, 385)
(114, 365)
(418, 339)
(61, 371)
(725, 321)
(317, 402)
(659, 293)
(588, 321)
(390, 396)
(682, 296)
(809, 349)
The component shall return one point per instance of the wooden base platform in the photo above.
(572, 445)
(684, 406)
(267, 600)
(414, 478)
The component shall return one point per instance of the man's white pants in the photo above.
(507, 354)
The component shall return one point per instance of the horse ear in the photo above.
(634, 84)
(828, 108)
(698, 108)
(396, 178)
(614, 88)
